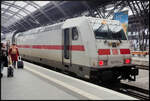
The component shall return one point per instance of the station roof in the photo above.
(25, 15)
(13, 11)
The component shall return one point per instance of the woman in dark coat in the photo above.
(3, 57)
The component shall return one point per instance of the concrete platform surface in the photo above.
(34, 82)
(142, 80)
(26, 86)
(139, 60)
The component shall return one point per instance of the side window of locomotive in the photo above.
(75, 34)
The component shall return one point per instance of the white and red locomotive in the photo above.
(91, 48)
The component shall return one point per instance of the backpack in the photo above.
(14, 50)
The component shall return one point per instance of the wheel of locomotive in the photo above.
(108, 76)
(72, 74)
(58, 70)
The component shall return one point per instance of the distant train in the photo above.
(92, 48)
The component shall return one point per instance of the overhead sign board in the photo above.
(123, 18)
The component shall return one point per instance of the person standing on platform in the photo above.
(7, 46)
(13, 53)
(3, 57)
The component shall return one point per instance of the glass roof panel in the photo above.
(8, 13)
(13, 9)
(22, 13)
(17, 17)
(9, 1)
(30, 8)
(110, 8)
(4, 6)
(41, 3)
(127, 9)
(20, 3)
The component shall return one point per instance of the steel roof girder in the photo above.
(57, 6)
(86, 6)
(144, 7)
(6, 29)
(22, 25)
(9, 7)
(54, 6)
(17, 7)
(17, 12)
(141, 20)
(33, 4)
(24, 10)
(12, 12)
(122, 6)
(20, 16)
(115, 6)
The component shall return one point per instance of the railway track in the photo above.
(133, 91)
(142, 67)
(137, 92)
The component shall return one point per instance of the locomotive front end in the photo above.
(113, 52)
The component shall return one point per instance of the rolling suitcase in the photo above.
(20, 63)
(10, 71)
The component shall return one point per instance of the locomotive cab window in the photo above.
(75, 33)
(109, 31)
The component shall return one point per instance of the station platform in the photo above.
(141, 60)
(142, 80)
(35, 83)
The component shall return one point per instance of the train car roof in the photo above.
(71, 23)
(40, 29)
(76, 21)
(106, 21)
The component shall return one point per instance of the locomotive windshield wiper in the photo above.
(118, 37)
(109, 31)
(113, 33)
(100, 27)
(119, 40)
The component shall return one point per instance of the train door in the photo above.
(66, 49)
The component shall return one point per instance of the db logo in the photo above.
(114, 51)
